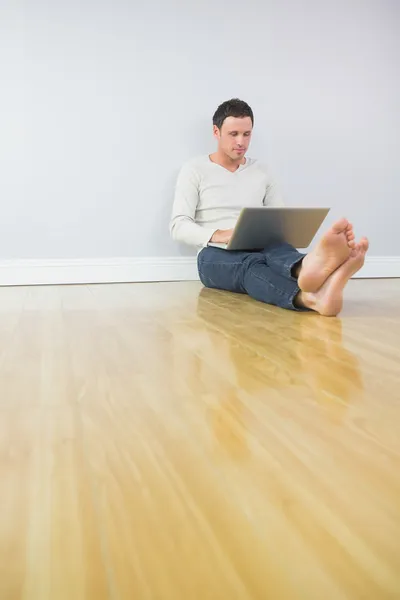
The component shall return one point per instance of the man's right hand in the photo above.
(222, 236)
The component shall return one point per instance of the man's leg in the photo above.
(328, 300)
(247, 273)
(313, 269)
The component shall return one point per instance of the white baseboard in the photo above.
(380, 267)
(125, 270)
(97, 270)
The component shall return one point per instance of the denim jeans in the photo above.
(266, 275)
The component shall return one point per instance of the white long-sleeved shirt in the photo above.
(209, 197)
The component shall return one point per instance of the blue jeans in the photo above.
(266, 276)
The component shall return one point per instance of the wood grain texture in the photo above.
(168, 442)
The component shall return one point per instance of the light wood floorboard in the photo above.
(168, 442)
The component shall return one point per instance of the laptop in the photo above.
(257, 228)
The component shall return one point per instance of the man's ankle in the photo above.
(305, 300)
(297, 268)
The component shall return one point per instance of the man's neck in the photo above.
(225, 161)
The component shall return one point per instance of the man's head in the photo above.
(233, 124)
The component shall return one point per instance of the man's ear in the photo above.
(216, 132)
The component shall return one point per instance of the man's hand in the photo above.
(222, 236)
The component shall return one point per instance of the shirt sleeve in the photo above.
(183, 227)
(273, 196)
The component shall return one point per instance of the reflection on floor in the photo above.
(165, 441)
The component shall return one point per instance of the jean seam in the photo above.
(278, 290)
(285, 268)
(213, 263)
(207, 279)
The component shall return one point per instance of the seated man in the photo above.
(210, 192)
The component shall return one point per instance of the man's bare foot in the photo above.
(328, 300)
(351, 238)
(332, 251)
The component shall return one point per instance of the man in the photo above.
(210, 192)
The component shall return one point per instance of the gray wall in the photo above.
(103, 100)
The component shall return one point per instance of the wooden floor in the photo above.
(167, 442)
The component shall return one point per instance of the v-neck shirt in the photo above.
(209, 197)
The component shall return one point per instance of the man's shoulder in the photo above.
(196, 164)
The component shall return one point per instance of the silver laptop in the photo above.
(257, 228)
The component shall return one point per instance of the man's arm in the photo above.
(183, 227)
(272, 196)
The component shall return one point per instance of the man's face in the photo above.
(234, 136)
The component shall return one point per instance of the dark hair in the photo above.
(232, 108)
